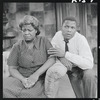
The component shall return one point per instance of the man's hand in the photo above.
(66, 63)
(56, 52)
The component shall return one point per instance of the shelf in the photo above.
(8, 37)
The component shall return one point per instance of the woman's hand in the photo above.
(32, 80)
(25, 82)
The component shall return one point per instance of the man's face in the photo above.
(29, 32)
(68, 29)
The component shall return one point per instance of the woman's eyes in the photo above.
(30, 30)
(27, 30)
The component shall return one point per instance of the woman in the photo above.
(28, 62)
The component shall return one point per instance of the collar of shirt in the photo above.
(69, 39)
(35, 42)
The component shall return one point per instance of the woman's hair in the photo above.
(30, 20)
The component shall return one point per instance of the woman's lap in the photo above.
(34, 92)
(14, 86)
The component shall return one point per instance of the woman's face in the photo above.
(29, 32)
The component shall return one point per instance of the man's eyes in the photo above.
(72, 27)
(66, 26)
(69, 27)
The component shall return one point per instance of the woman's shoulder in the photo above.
(18, 43)
(43, 38)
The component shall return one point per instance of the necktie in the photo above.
(66, 49)
(70, 71)
(66, 44)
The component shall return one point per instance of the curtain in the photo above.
(77, 10)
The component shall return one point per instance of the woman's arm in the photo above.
(50, 61)
(15, 73)
(34, 77)
(12, 63)
(45, 66)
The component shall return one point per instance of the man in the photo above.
(77, 61)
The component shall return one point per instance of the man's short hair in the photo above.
(70, 18)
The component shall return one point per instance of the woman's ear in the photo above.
(35, 31)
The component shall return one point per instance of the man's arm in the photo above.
(66, 62)
(57, 52)
(84, 58)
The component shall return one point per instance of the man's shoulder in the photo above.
(58, 34)
(80, 36)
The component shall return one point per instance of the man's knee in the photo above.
(89, 75)
(56, 71)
